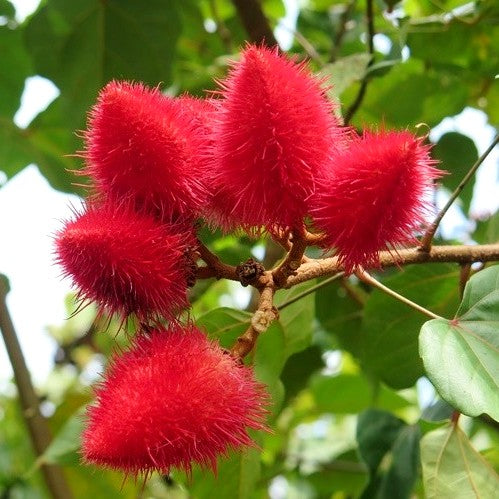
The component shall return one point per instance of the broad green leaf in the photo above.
(377, 431)
(4, 284)
(89, 481)
(7, 9)
(347, 393)
(380, 433)
(268, 361)
(456, 153)
(81, 45)
(237, 477)
(461, 46)
(409, 94)
(439, 411)
(461, 356)
(224, 324)
(52, 146)
(487, 231)
(403, 471)
(16, 67)
(297, 319)
(453, 469)
(341, 316)
(343, 72)
(274, 9)
(63, 449)
(346, 473)
(298, 369)
(492, 103)
(390, 328)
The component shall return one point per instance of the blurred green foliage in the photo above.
(341, 364)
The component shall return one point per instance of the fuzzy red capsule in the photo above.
(172, 400)
(274, 132)
(373, 198)
(126, 262)
(141, 146)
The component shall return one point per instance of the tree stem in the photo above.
(369, 279)
(370, 50)
(430, 233)
(311, 290)
(37, 425)
(438, 254)
(255, 22)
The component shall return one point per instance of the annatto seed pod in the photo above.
(374, 196)
(274, 133)
(140, 146)
(172, 400)
(126, 262)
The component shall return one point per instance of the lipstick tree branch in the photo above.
(39, 430)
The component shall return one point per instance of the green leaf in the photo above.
(297, 319)
(64, 447)
(439, 411)
(410, 93)
(298, 369)
(268, 361)
(390, 328)
(5, 284)
(457, 153)
(224, 324)
(7, 9)
(81, 45)
(343, 72)
(344, 474)
(341, 316)
(403, 471)
(348, 393)
(461, 356)
(237, 477)
(452, 468)
(377, 431)
(16, 67)
(487, 231)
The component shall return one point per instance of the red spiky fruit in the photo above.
(141, 146)
(172, 400)
(274, 133)
(126, 262)
(374, 197)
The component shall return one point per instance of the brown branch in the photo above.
(314, 239)
(265, 314)
(215, 267)
(342, 29)
(293, 259)
(357, 294)
(37, 425)
(370, 50)
(464, 275)
(429, 234)
(438, 254)
(255, 22)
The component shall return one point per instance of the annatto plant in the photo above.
(264, 156)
